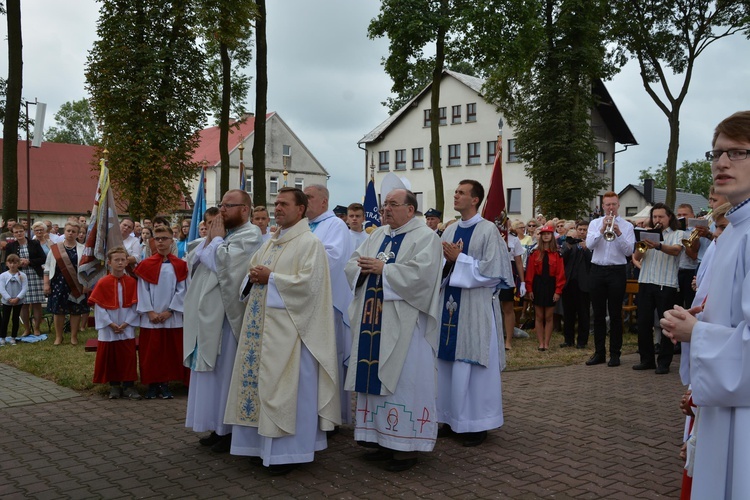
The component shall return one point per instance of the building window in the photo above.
(456, 114)
(514, 200)
(491, 150)
(383, 160)
(299, 183)
(512, 152)
(454, 155)
(443, 116)
(286, 150)
(475, 155)
(427, 121)
(631, 211)
(420, 201)
(417, 158)
(400, 159)
(274, 185)
(471, 112)
(440, 154)
(601, 161)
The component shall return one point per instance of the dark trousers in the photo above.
(686, 294)
(654, 298)
(607, 288)
(576, 304)
(10, 313)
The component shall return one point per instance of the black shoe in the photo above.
(644, 366)
(400, 465)
(566, 344)
(473, 438)
(445, 431)
(332, 433)
(662, 370)
(581, 346)
(281, 469)
(379, 456)
(595, 360)
(209, 440)
(223, 445)
(614, 361)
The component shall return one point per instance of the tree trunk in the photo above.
(437, 75)
(261, 91)
(226, 98)
(12, 110)
(674, 146)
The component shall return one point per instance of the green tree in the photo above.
(411, 26)
(670, 36)
(147, 79)
(227, 29)
(76, 125)
(542, 58)
(692, 177)
(14, 86)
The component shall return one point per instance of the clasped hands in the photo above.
(370, 265)
(677, 324)
(121, 328)
(157, 318)
(259, 275)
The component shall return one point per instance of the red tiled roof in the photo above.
(62, 178)
(209, 140)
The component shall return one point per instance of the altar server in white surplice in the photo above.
(720, 341)
(285, 391)
(470, 352)
(394, 318)
(213, 315)
(334, 234)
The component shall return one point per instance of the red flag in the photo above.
(495, 204)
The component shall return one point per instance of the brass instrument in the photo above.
(609, 233)
(688, 242)
(641, 246)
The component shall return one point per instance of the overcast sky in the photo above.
(326, 82)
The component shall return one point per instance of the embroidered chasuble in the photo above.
(369, 333)
(452, 304)
(294, 308)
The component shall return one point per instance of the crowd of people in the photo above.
(276, 331)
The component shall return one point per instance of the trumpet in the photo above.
(609, 233)
(688, 242)
(641, 246)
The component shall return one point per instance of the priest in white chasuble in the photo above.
(470, 351)
(720, 341)
(284, 393)
(394, 321)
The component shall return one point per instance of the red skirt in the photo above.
(160, 355)
(115, 362)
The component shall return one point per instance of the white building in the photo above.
(283, 150)
(468, 139)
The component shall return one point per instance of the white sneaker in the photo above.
(2, 341)
(11, 341)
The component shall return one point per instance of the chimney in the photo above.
(648, 191)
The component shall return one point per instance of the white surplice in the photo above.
(720, 369)
(167, 294)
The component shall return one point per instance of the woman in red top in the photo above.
(545, 279)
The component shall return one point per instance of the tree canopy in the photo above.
(670, 36)
(692, 177)
(76, 125)
(147, 79)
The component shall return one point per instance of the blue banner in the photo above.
(372, 213)
(199, 208)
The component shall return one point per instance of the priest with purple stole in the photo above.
(394, 321)
(470, 353)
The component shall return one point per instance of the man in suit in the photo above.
(575, 295)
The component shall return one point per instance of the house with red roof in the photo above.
(284, 151)
(63, 180)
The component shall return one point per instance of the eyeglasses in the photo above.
(531, 225)
(392, 205)
(732, 154)
(162, 238)
(229, 205)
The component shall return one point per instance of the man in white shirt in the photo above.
(130, 242)
(355, 218)
(261, 219)
(611, 239)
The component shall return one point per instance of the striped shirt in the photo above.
(659, 268)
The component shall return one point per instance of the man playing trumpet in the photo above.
(607, 278)
(657, 286)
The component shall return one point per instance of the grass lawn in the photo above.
(73, 367)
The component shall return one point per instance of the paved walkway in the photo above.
(572, 432)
